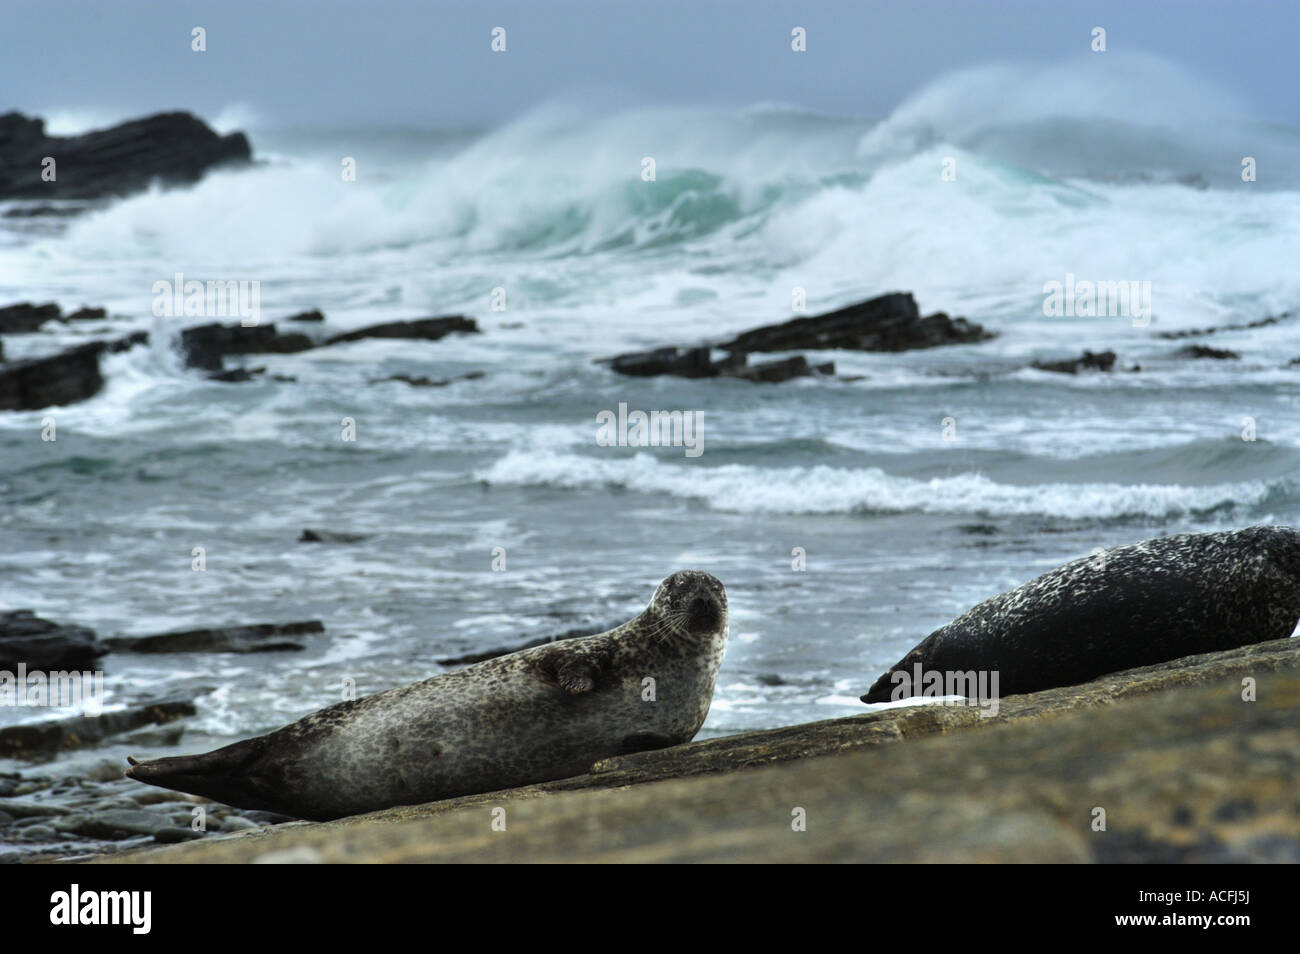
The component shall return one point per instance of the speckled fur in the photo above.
(532, 716)
(1131, 606)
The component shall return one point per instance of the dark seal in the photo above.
(532, 716)
(1118, 609)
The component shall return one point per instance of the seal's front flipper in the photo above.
(576, 676)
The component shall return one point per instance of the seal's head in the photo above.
(690, 604)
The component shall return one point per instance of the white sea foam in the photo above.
(744, 489)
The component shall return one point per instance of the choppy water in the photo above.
(902, 529)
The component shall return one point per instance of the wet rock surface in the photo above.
(1184, 768)
(1205, 351)
(35, 740)
(257, 638)
(64, 378)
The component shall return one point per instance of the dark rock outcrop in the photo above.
(169, 147)
(699, 363)
(422, 329)
(203, 346)
(87, 314)
(126, 342)
(25, 317)
(1103, 361)
(313, 315)
(45, 645)
(1197, 332)
(1204, 351)
(64, 378)
(887, 323)
(57, 735)
(682, 362)
(257, 638)
(331, 536)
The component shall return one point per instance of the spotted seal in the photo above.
(531, 716)
(1128, 606)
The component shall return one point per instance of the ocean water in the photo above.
(902, 528)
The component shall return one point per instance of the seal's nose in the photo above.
(703, 614)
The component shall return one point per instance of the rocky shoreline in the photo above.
(1172, 757)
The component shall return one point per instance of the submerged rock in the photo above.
(330, 536)
(172, 148)
(423, 329)
(1104, 361)
(699, 363)
(1197, 332)
(236, 375)
(423, 382)
(42, 739)
(682, 362)
(258, 638)
(87, 314)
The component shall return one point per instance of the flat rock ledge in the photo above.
(1184, 768)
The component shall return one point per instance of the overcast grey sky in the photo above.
(343, 62)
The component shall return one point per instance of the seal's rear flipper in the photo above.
(226, 775)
